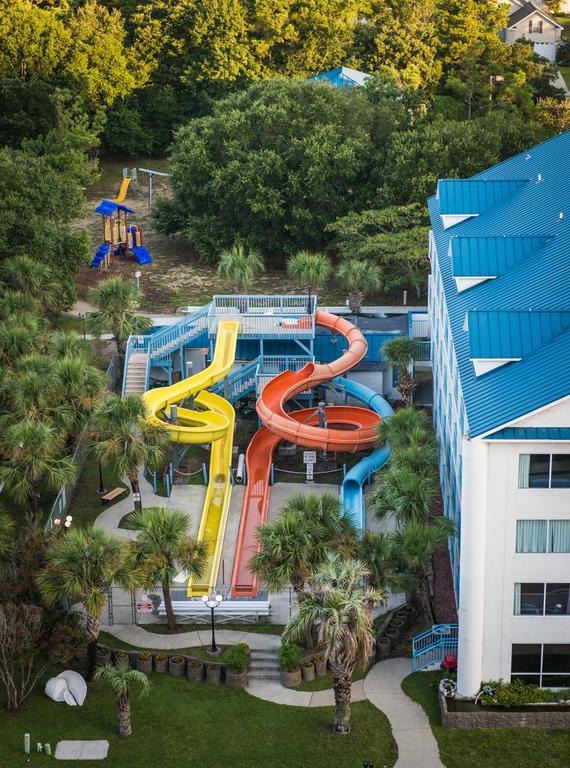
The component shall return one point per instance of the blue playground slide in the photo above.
(352, 492)
(141, 254)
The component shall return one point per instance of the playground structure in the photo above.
(119, 239)
(284, 375)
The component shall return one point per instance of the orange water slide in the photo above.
(348, 429)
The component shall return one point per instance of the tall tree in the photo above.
(163, 548)
(340, 606)
(401, 352)
(81, 567)
(360, 278)
(123, 681)
(6, 535)
(117, 301)
(34, 459)
(406, 428)
(122, 435)
(460, 23)
(403, 494)
(312, 270)
(240, 265)
(297, 542)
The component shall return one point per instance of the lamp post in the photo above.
(101, 490)
(212, 601)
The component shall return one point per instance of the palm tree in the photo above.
(419, 459)
(311, 270)
(297, 542)
(123, 681)
(19, 335)
(33, 460)
(404, 494)
(163, 549)
(69, 344)
(415, 545)
(31, 278)
(122, 435)
(401, 353)
(360, 277)
(385, 572)
(406, 428)
(81, 567)
(7, 529)
(117, 302)
(339, 605)
(240, 265)
(79, 385)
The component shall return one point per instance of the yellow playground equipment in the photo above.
(212, 422)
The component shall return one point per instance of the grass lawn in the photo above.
(198, 651)
(86, 505)
(191, 724)
(503, 748)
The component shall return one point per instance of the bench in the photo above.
(112, 494)
(229, 610)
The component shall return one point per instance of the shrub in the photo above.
(194, 663)
(144, 655)
(235, 658)
(176, 659)
(318, 659)
(245, 646)
(289, 656)
(514, 694)
(121, 657)
(160, 656)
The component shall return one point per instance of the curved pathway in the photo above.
(417, 747)
(382, 686)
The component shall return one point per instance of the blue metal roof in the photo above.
(531, 433)
(512, 334)
(342, 77)
(107, 207)
(462, 196)
(490, 256)
(540, 283)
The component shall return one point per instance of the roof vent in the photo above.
(527, 157)
(539, 178)
(561, 215)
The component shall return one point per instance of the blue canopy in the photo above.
(342, 77)
(107, 207)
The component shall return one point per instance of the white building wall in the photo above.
(503, 504)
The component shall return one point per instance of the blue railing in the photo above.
(271, 365)
(431, 646)
(238, 383)
(423, 353)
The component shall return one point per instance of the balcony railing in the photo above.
(431, 646)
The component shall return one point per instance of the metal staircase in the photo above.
(430, 647)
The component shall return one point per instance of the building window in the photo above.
(535, 26)
(540, 536)
(544, 470)
(529, 600)
(546, 665)
(542, 600)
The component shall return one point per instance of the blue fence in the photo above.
(431, 646)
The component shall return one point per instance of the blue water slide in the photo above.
(352, 491)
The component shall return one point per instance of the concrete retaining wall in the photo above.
(493, 718)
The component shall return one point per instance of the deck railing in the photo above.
(431, 646)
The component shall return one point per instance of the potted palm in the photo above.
(160, 662)
(144, 662)
(194, 669)
(103, 655)
(383, 646)
(308, 670)
(289, 659)
(176, 666)
(122, 657)
(320, 665)
(213, 673)
(236, 659)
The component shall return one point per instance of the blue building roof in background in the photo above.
(491, 256)
(532, 433)
(460, 196)
(107, 207)
(342, 77)
(528, 278)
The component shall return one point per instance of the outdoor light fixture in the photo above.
(68, 521)
(212, 601)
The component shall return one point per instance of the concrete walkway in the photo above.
(273, 691)
(140, 638)
(417, 747)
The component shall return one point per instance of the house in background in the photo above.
(531, 21)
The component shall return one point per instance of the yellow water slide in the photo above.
(213, 422)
